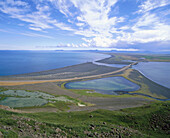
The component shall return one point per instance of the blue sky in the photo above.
(123, 25)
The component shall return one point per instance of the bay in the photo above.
(20, 62)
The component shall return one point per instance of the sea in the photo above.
(19, 62)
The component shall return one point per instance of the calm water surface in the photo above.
(158, 72)
(110, 65)
(105, 85)
(19, 62)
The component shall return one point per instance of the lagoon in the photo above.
(105, 85)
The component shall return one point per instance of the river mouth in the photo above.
(105, 85)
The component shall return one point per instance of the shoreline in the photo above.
(65, 66)
(70, 73)
(11, 83)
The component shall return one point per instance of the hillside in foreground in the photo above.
(147, 121)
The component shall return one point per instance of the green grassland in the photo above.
(159, 58)
(118, 58)
(147, 87)
(143, 57)
(147, 121)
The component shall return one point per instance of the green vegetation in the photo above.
(147, 86)
(61, 106)
(118, 58)
(21, 99)
(91, 93)
(163, 58)
(146, 121)
(115, 59)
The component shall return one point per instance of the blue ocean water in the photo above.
(19, 62)
(158, 72)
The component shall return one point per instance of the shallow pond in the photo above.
(105, 85)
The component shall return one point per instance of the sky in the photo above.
(122, 25)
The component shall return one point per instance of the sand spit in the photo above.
(22, 82)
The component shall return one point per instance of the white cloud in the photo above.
(36, 29)
(148, 28)
(16, 3)
(122, 49)
(26, 34)
(152, 4)
(63, 26)
(93, 20)
(38, 20)
(93, 16)
(14, 7)
(80, 24)
(36, 35)
(63, 6)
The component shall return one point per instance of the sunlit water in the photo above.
(19, 62)
(105, 85)
(158, 72)
(110, 65)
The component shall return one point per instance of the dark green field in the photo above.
(147, 121)
(120, 58)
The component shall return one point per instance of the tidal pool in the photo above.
(109, 85)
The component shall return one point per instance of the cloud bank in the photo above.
(98, 23)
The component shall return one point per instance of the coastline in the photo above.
(70, 73)
(10, 83)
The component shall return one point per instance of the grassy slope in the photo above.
(147, 121)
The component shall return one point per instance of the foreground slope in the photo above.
(147, 121)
